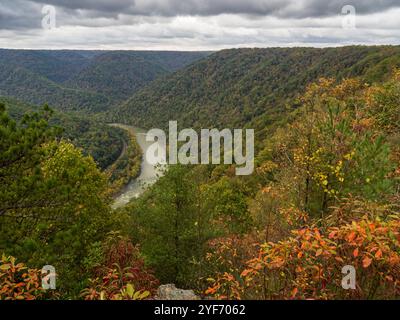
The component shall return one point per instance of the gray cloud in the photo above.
(196, 24)
(95, 5)
(17, 14)
(278, 8)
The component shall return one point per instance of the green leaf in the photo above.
(130, 290)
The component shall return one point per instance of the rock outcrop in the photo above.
(170, 292)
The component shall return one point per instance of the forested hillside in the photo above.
(87, 81)
(57, 66)
(32, 88)
(325, 192)
(102, 142)
(234, 87)
(118, 75)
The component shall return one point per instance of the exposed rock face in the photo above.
(170, 292)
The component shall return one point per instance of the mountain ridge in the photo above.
(237, 86)
(89, 81)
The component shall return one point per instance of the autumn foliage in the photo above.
(331, 200)
(17, 282)
(122, 274)
(308, 264)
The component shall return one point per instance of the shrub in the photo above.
(17, 282)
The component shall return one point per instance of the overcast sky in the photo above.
(196, 24)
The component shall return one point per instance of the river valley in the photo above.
(149, 173)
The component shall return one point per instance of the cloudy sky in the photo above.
(196, 24)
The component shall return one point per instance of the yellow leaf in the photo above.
(144, 295)
(130, 290)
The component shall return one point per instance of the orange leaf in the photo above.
(351, 236)
(210, 291)
(332, 234)
(339, 259)
(245, 272)
(355, 253)
(378, 254)
(299, 269)
(367, 262)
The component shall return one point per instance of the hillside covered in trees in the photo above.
(325, 192)
(102, 142)
(235, 87)
(87, 81)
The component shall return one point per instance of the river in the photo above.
(149, 173)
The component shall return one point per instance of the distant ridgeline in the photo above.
(248, 86)
(88, 81)
(198, 89)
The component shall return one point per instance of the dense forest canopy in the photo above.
(102, 142)
(88, 81)
(242, 86)
(325, 192)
